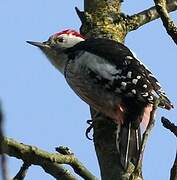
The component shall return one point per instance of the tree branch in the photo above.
(90, 5)
(137, 20)
(22, 172)
(104, 20)
(104, 135)
(169, 25)
(48, 161)
(167, 124)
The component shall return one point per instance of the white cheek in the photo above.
(70, 40)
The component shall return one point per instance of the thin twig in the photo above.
(137, 20)
(167, 124)
(22, 172)
(169, 25)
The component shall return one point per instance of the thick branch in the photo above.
(47, 161)
(90, 5)
(137, 20)
(103, 18)
(169, 25)
(105, 146)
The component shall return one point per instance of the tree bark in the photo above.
(103, 18)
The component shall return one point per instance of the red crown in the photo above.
(70, 31)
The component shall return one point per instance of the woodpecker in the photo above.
(111, 79)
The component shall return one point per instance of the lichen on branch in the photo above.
(36, 156)
(168, 23)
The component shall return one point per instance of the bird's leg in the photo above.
(90, 123)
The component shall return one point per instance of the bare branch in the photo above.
(22, 172)
(137, 20)
(167, 124)
(169, 25)
(58, 171)
(36, 156)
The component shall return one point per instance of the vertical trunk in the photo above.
(103, 18)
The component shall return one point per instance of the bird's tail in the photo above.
(128, 143)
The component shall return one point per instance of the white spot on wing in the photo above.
(129, 74)
(138, 77)
(129, 57)
(133, 91)
(134, 81)
(123, 84)
(154, 93)
(150, 98)
(151, 75)
(145, 86)
(158, 84)
(145, 94)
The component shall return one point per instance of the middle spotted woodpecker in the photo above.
(108, 77)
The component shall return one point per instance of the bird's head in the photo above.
(55, 46)
(60, 40)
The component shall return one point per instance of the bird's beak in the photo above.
(38, 44)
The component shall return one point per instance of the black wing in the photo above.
(132, 78)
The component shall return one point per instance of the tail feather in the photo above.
(128, 144)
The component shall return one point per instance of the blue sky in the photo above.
(40, 109)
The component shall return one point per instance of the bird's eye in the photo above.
(60, 39)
